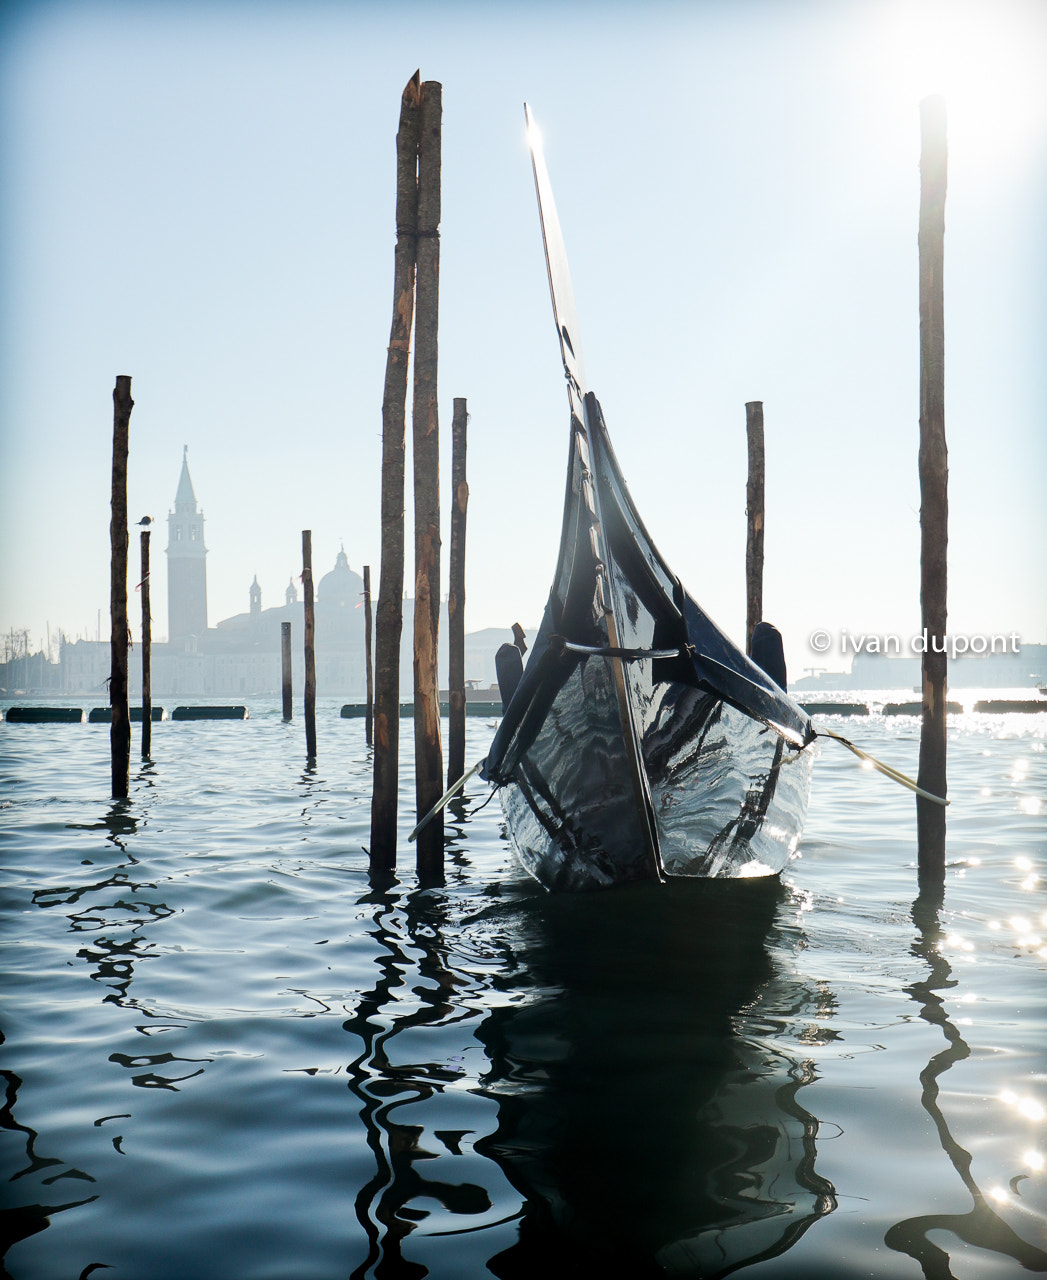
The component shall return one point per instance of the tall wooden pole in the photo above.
(456, 597)
(310, 639)
(120, 725)
(368, 662)
(285, 669)
(389, 620)
(754, 521)
(147, 653)
(428, 755)
(934, 487)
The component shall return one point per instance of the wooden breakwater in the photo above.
(916, 709)
(210, 713)
(104, 715)
(483, 702)
(358, 710)
(44, 715)
(835, 708)
(1009, 706)
(984, 706)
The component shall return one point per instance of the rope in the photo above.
(447, 796)
(894, 774)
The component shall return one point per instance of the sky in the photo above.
(201, 195)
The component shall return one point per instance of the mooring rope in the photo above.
(448, 795)
(894, 774)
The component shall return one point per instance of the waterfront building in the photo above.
(240, 655)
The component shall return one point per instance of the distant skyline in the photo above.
(202, 197)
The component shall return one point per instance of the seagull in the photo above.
(146, 520)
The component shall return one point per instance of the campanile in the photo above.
(186, 562)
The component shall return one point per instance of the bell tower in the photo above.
(186, 564)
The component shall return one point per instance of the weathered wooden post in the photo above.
(368, 664)
(754, 517)
(120, 724)
(285, 668)
(428, 756)
(934, 488)
(147, 655)
(310, 640)
(456, 597)
(389, 620)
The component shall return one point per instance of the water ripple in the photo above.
(212, 1017)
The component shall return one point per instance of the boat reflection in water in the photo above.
(647, 1132)
(635, 1112)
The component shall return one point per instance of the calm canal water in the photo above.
(227, 1056)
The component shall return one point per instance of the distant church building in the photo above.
(241, 655)
(255, 635)
(186, 563)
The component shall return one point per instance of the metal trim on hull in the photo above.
(605, 597)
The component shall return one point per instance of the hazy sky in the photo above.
(201, 196)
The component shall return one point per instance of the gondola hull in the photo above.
(728, 803)
(623, 768)
(639, 743)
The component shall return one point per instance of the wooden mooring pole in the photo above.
(428, 755)
(754, 521)
(389, 619)
(147, 653)
(934, 493)
(368, 660)
(285, 669)
(456, 597)
(310, 640)
(120, 724)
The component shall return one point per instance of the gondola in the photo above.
(638, 743)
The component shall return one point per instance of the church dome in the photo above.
(341, 586)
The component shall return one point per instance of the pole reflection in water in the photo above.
(20, 1222)
(625, 1123)
(113, 911)
(982, 1226)
(116, 904)
(416, 992)
(408, 934)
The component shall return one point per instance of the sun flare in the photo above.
(986, 59)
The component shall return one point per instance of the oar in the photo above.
(885, 769)
(449, 794)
